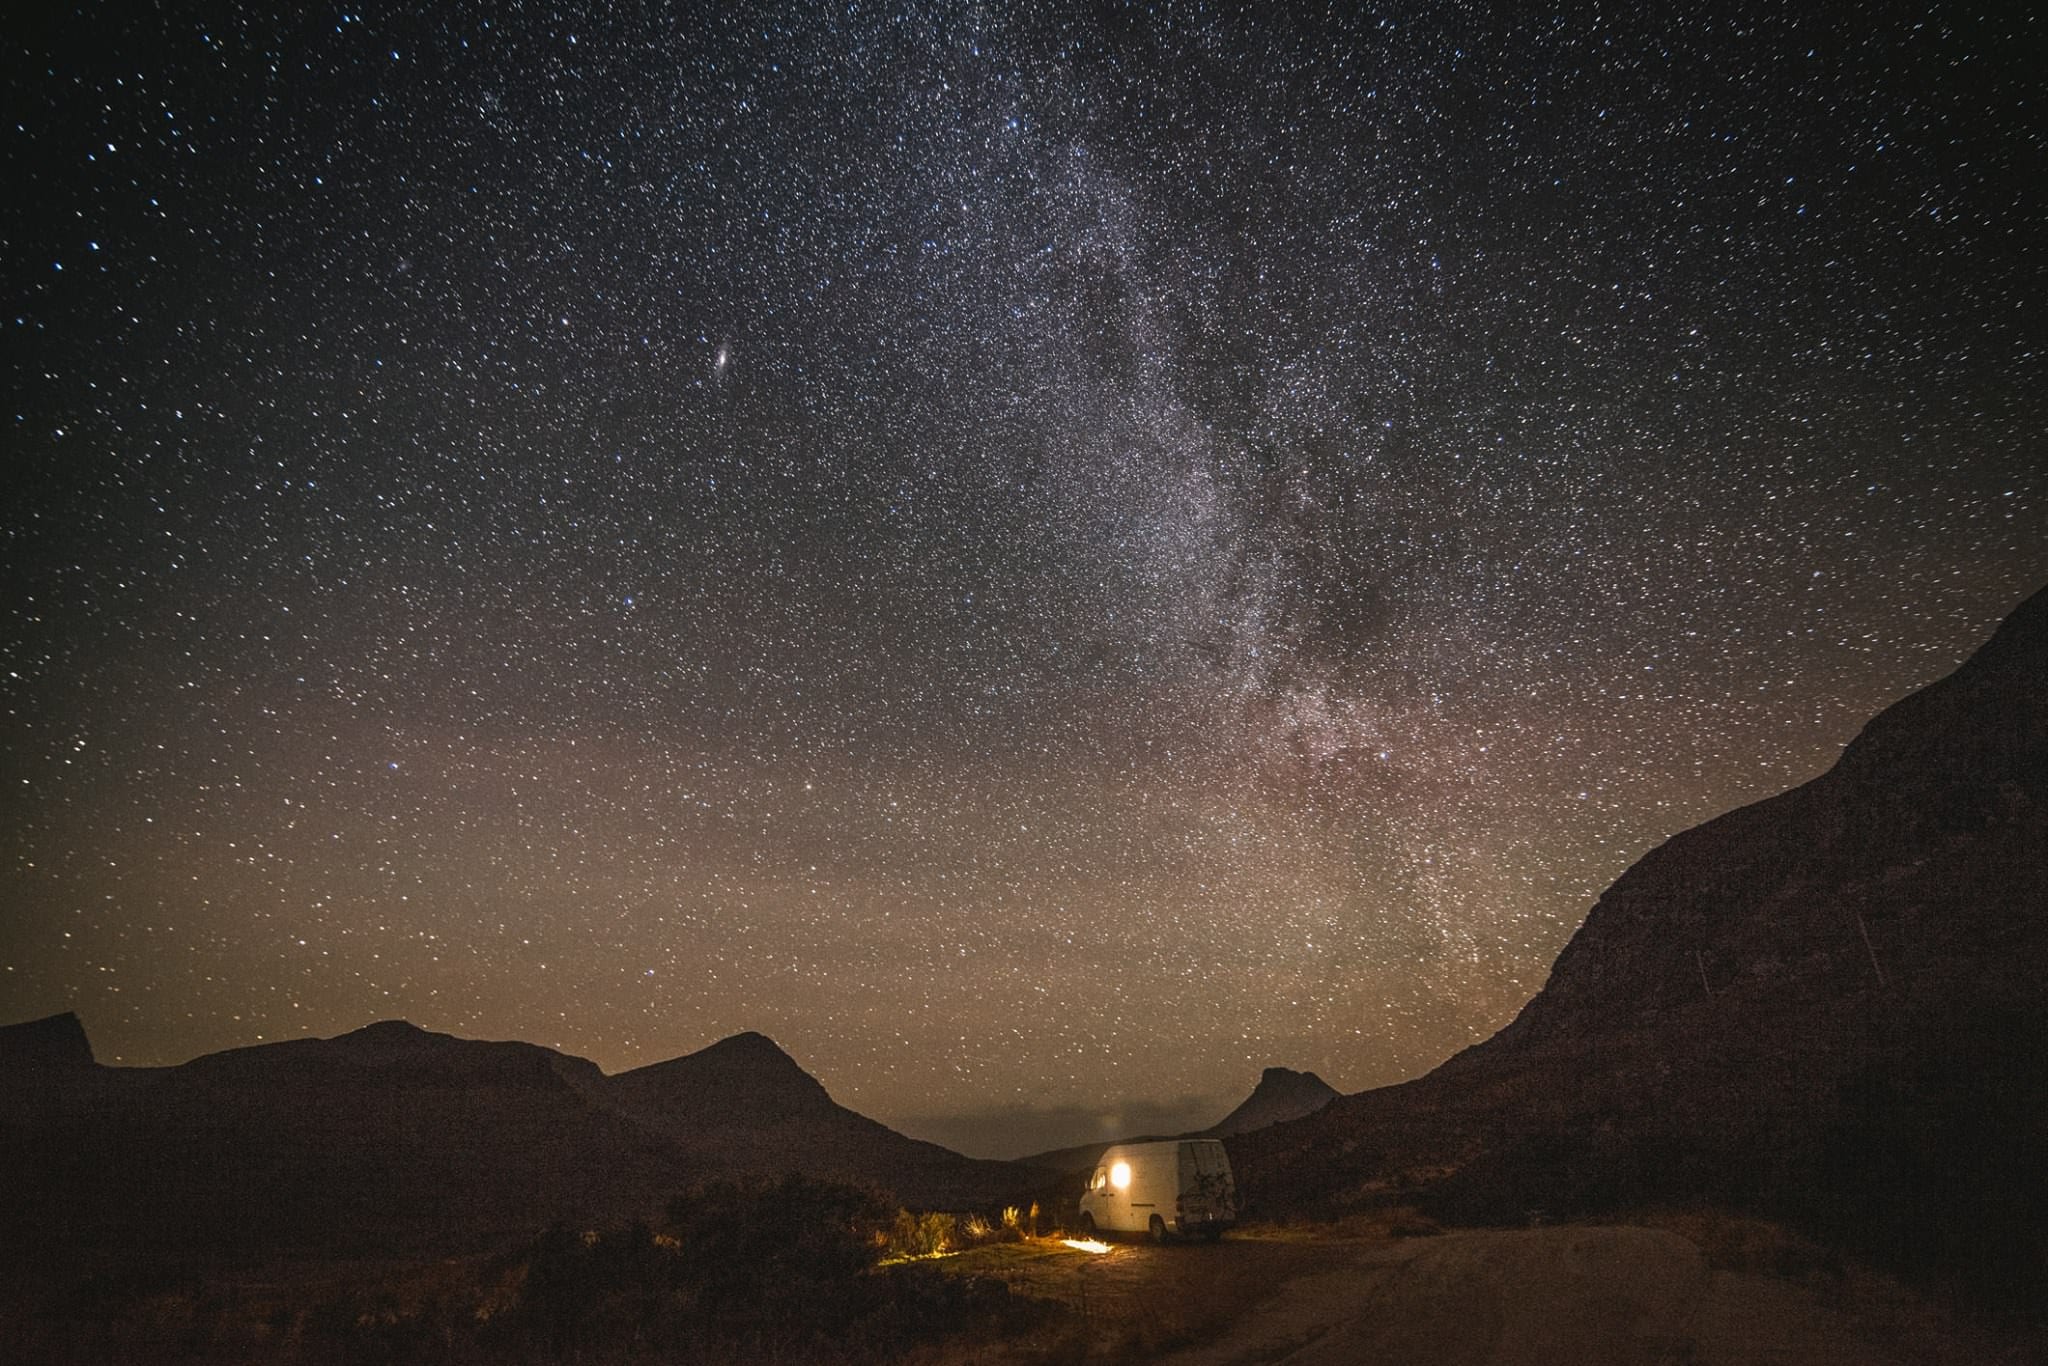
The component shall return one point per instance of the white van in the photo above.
(1181, 1186)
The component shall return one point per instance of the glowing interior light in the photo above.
(1085, 1244)
(1120, 1176)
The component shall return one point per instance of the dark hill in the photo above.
(396, 1053)
(745, 1076)
(53, 1041)
(395, 1141)
(1281, 1094)
(1828, 1006)
(744, 1106)
(387, 1141)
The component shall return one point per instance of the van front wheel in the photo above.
(1088, 1226)
(1158, 1229)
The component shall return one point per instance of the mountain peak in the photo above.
(749, 1054)
(390, 1034)
(53, 1041)
(748, 1043)
(738, 1080)
(1282, 1094)
(749, 1057)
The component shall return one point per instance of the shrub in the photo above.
(740, 1245)
(925, 1235)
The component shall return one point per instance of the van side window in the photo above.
(1101, 1178)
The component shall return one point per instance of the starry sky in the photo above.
(1047, 561)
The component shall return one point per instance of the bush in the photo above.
(741, 1246)
(926, 1235)
(921, 1303)
(760, 1262)
(749, 1269)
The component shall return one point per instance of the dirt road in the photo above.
(1589, 1295)
(1541, 1296)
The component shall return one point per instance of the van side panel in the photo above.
(1185, 1183)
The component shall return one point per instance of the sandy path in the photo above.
(1583, 1295)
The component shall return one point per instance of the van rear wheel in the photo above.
(1158, 1229)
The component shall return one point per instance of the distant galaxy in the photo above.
(1046, 562)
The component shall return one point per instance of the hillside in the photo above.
(1827, 1005)
(56, 1041)
(392, 1140)
(1282, 1094)
(743, 1106)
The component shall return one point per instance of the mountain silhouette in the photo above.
(700, 1089)
(396, 1053)
(389, 1139)
(744, 1106)
(1828, 1005)
(1281, 1094)
(54, 1041)
(394, 1140)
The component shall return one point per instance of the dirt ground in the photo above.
(1590, 1295)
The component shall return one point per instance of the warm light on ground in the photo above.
(1084, 1245)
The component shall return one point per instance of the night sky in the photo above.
(1047, 564)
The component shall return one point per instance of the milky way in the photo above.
(1045, 564)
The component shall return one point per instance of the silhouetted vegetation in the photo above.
(790, 1269)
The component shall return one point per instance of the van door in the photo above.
(1095, 1200)
(1207, 1191)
